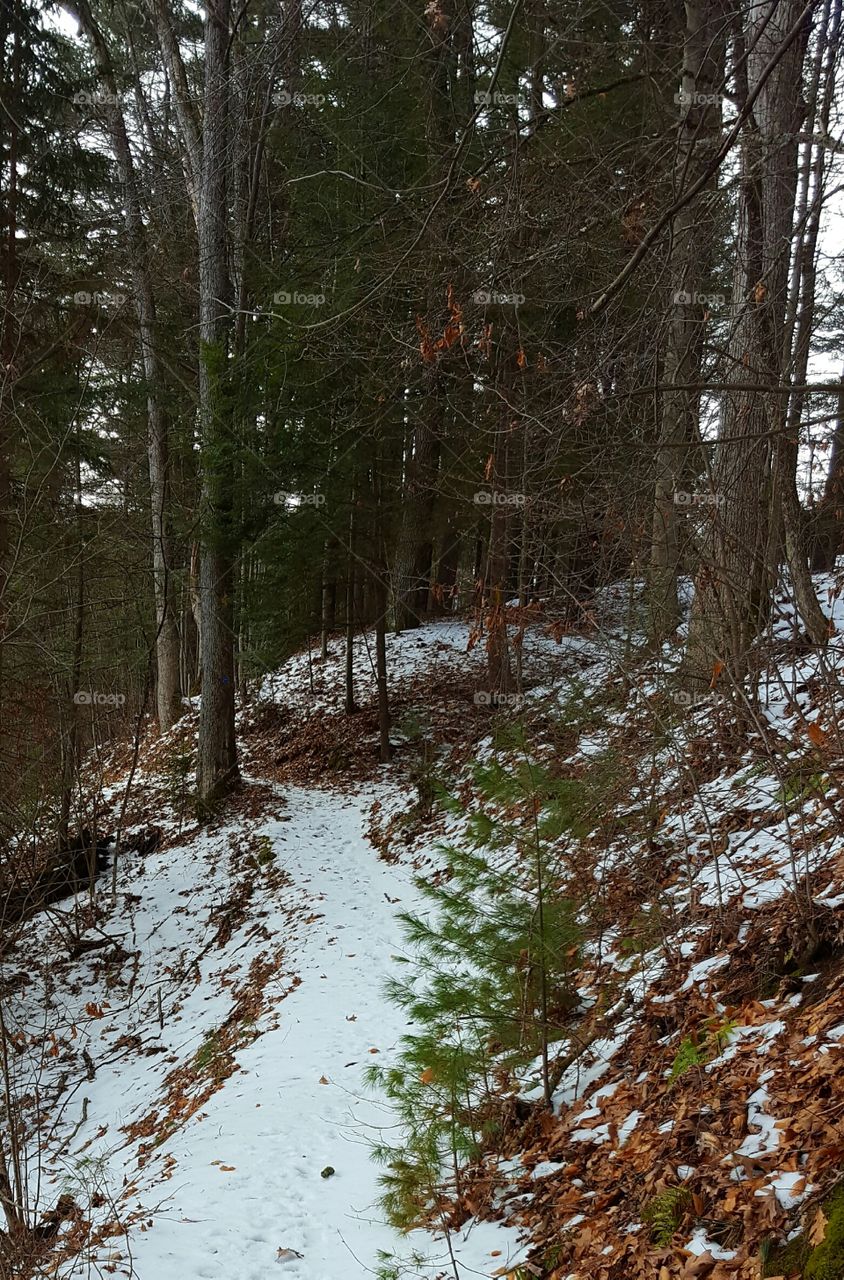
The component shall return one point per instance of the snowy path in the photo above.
(275, 1122)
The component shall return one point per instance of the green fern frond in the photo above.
(665, 1213)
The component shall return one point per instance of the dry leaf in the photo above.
(817, 1231)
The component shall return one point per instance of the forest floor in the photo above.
(196, 1083)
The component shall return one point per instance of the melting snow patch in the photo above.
(767, 1140)
(703, 968)
(700, 1243)
(628, 1126)
(790, 1189)
(599, 1135)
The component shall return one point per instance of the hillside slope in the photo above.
(198, 1084)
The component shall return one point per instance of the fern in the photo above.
(688, 1055)
(697, 1053)
(665, 1213)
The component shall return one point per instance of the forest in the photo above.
(421, 521)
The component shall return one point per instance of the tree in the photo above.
(691, 253)
(740, 557)
(217, 768)
(168, 686)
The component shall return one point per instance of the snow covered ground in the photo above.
(197, 1085)
(243, 1184)
(248, 1189)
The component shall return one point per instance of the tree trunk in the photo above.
(217, 768)
(499, 666)
(381, 600)
(689, 260)
(735, 582)
(829, 526)
(412, 565)
(328, 597)
(350, 705)
(414, 548)
(168, 685)
(188, 126)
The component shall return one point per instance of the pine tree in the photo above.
(493, 988)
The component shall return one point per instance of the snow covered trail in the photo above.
(247, 1184)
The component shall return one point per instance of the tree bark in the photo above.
(829, 521)
(217, 769)
(188, 125)
(736, 580)
(414, 547)
(690, 256)
(168, 684)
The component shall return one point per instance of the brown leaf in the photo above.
(817, 1231)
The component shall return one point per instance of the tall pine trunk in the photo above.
(168, 683)
(690, 257)
(217, 751)
(736, 580)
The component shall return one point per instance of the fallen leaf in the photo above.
(817, 1231)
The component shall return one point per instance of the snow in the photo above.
(236, 1187)
(791, 1189)
(702, 970)
(628, 1126)
(700, 1244)
(767, 1140)
(245, 1189)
